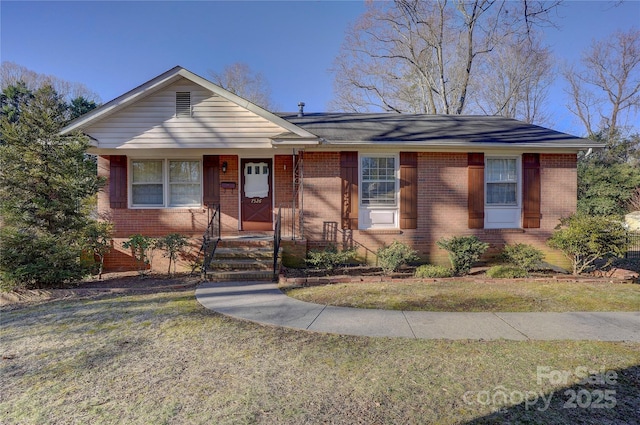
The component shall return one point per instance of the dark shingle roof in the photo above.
(430, 130)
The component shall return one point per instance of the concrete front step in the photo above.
(245, 275)
(257, 253)
(243, 258)
(239, 263)
(246, 243)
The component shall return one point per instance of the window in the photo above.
(184, 183)
(147, 183)
(501, 178)
(378, 180)
(153, 186)
(183, 104)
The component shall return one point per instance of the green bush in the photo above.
(430, 270)
(464, 251)
(392, 257)
(38, 260)
(98, 236)
(142, 248)
(506, 272)
(330, 257)
(523, 256)
(585, 240)
(172, 245)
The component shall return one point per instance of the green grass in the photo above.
(162, 358)
(461, 296)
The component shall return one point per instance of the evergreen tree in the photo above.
(45, 183)
(80, 106)
(608, 178)
(13, 99)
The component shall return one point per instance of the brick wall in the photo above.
(442, 206)
(229, 198)
(155, 222)
(442, 203)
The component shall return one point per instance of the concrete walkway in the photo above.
(264, 303)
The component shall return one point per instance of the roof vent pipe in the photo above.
(301, 110)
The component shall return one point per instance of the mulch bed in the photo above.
(313, 277)
(111, 283)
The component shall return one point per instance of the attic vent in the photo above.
(183, 104)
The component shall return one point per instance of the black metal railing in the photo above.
(210, 239)
(633, 249)
(277, 238)
(291, 221)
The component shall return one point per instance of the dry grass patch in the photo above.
(464, 296)
(162, 358)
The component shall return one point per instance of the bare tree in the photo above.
(604, 89)
(514, 82)
(11, 74)
(239, 79)
(418, 56)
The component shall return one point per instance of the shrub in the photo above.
(430, 270)
(172, 244)
(523, 256)
(506, 272)
(464, 251)
(329, 257)
(142, 248)
(586, 239)
(97, 241)
(392, 257)
(38, 260)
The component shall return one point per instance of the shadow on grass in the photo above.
(601, 397)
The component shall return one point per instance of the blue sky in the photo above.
(113, 47)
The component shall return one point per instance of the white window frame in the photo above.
(166, 184)
(503, 215)
(379, 216)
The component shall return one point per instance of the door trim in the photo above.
(241, 162)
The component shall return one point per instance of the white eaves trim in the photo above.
(164, 80)
(456, 144)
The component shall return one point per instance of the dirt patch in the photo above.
(111, 283)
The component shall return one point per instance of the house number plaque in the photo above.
(256, 200)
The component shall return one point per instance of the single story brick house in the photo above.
(178, 145)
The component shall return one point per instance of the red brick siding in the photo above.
(161, 221)
(229, 198)
(442, 205)
(283, 179)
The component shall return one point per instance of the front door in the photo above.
(256, 198)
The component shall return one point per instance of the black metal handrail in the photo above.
(277, 238)
(210, 238)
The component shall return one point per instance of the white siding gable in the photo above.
(215, 122)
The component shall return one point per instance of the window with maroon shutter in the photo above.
(408, 190)
(476, 190)
(210, 180)
(349, 178)
(118, 181)
(531, 190)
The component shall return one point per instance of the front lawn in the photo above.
(487, 295)
(162, 358)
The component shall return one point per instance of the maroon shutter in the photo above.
(476, 190)
(531, 190)
(118, 181)
(349, 177)
(210, 180)
(408, 190)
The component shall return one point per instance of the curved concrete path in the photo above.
(263, 302)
